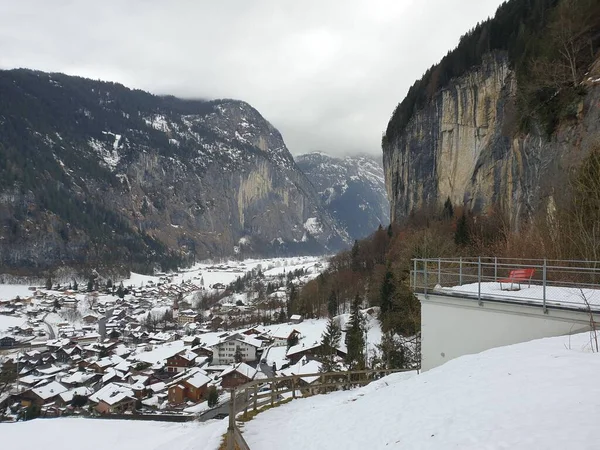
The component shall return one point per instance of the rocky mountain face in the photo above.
(351, 188)
(93, 173)
(464, 145)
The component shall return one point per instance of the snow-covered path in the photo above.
(541, 394)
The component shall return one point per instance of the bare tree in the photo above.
(593, 330)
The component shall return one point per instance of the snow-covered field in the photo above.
(78, 433)
(541, 394)
(11, 291)
(10, 321)
(227, 272)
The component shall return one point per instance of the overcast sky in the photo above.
(327, 74)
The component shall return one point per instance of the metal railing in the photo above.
(555, 283)
(270, 392)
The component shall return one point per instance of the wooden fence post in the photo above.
(231, 427)
(255, 394)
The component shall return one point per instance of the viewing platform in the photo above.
(472, 304)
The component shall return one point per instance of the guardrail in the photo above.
(270, 392)
(557, 283)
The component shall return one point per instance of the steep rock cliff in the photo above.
(94, 173)
(464, 145)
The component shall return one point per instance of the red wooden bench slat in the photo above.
(517, 275)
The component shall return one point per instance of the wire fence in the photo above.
(548, 283)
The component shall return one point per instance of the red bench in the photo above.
(517, 276)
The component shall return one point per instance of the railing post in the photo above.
(479, 280)
(495, 268)
(293, 387)
(414, 274)
(272, 393)
(439, 271)
(231, 427)
(246, 402)
(255, 395)
(425, 273)
(460, 278)
(544, 286)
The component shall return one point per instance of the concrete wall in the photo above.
(454, 326)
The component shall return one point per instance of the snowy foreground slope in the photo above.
(541, 394)
(79, 433)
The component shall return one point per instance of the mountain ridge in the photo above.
(95, 173)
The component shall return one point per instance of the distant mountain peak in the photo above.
(351, 187)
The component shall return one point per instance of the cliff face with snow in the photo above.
(464, 145)
(95, 173)
(351, 188)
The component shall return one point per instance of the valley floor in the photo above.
(540, 394)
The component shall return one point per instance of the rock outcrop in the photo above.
(465, 145)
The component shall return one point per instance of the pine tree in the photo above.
(75, 285)
(282, 316)
(332, 304)
(292, 299)
(355, 263)
(386, 296)
(149, 322)
(393, 353)
(462, 235)
(121, 291)
(238, 357)
(448, 212)
(213, 397)
(330, 340)
(90, 285)
(49, 283)
(292, 340)
(109, 284)
(355, 338)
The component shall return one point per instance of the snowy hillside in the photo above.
(541, 394)
(351, 188)
(74, 434)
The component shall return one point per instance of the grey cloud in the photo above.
(328, 74)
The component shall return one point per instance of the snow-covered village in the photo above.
(165, 344)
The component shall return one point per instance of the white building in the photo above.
(225, 350)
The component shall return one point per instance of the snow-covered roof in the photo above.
(111, 394)
(241, 368)
(67, 396)
(304, 366)
(302, 347)
(198, 379)
(49, 390)
(78, 377)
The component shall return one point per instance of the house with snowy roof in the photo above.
(43, 395)
(282, 335)
(236, 375)
(114, 398)
(181, 361)
(297, 352)
(224, 351)
(192, 386)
